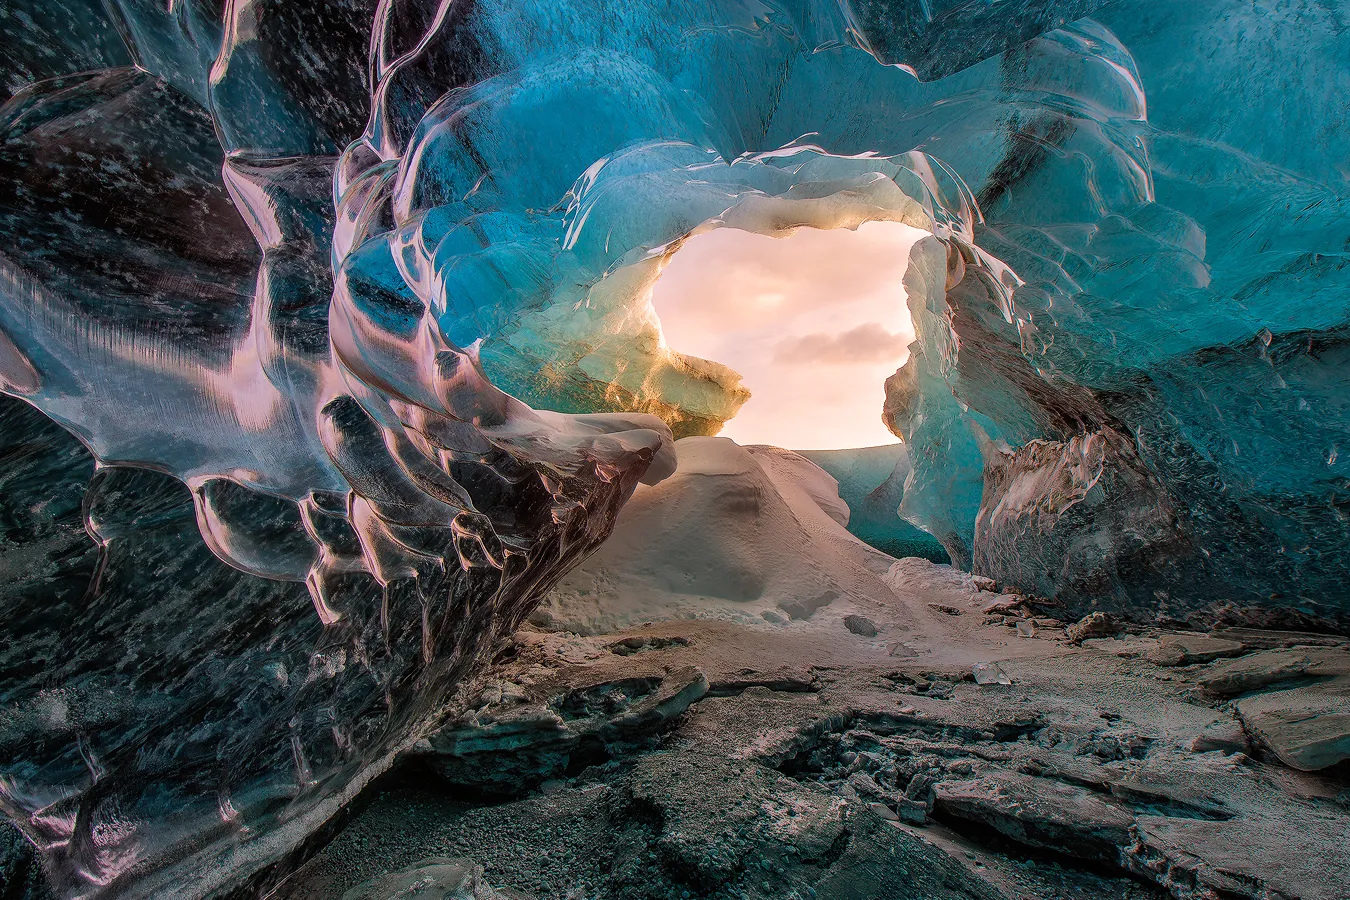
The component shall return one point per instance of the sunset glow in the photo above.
(814, 323)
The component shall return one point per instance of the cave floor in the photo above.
(724, 759)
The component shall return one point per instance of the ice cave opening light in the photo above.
(814, 323)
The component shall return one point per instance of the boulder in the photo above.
(1307, 728)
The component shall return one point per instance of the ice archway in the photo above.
(370, 279)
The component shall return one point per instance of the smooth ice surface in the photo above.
(344, 309)
(986, 673)
(872, 483)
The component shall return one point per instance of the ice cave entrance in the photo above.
(814, 322)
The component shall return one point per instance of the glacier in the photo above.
(327, 345)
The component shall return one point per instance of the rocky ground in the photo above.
(876, 728)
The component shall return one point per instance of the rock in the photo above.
(431, 879)
(774, 783)
(541, 618)
(510, 749)
(1040, 812)
(1002, 603)
(1266, 639)
(1098, 624)
(698, 800)
(1188, 649)
(1167, 657)
(861, 626)
(984, 583)
(1225, 735)
(1156, 790)
(639, 643)
(920, 787)
(945, 609)
(1025, 628)
(865, 786)
(1270, 667)
(1307, 727)
(940, 690)
(1202, 858)
(914, 812)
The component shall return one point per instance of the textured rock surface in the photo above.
(520, 737)
(432, 879)
(1272, 668)
(1184, 650)
(1039, 813)
(1307, 727)
(857, 777)
(1093, 626)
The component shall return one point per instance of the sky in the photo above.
(814, 323)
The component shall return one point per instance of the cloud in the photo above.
(729, 279)
(867, 343)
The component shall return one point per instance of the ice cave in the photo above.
(671, 449)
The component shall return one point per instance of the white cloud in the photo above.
(869, 342)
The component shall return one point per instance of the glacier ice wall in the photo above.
(872, 485)
(1167, 388)
(343, 310)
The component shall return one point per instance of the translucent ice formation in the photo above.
(358, 292)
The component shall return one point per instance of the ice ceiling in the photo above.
(357, 291)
